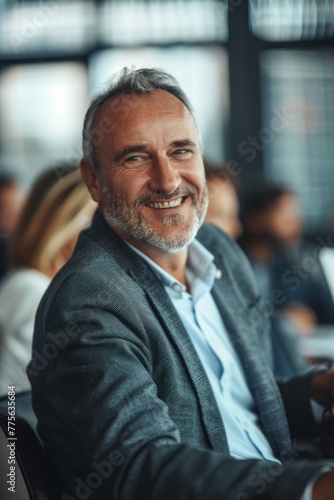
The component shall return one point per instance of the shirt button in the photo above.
(177, 288)
(218, 274)
(246, 425)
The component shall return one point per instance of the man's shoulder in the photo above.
(99, 264)
(218, 242)
(99, 248)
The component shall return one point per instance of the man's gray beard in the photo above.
(129, 220)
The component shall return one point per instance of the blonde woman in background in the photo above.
(56, 210)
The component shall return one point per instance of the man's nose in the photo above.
(164, 175)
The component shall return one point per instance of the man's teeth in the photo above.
(166, 204)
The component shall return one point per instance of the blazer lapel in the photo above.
(177, 334)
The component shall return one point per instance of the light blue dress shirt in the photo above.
(206, 329)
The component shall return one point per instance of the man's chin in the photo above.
(171, 242)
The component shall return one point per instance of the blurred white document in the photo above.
(326, 257)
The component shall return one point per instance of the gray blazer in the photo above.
(124, 406)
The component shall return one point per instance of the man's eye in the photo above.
(184, 153)
(134, 159)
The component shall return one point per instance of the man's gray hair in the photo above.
(127, 82)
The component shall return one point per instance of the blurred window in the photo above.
(35, 26)
(276, 20)
(298, 133)
(42, 110)
(139, 21)
(41, 26)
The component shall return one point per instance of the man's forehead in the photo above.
(140, 118)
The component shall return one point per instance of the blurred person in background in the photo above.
(223, 212)
(282, 260)
(10, 203)
(223, 209)
(56, 210)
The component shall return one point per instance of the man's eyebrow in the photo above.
(137, 148)
(183, 143)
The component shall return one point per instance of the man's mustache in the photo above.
(157, 196)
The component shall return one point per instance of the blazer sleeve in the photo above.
(106, 430)
(296, 394)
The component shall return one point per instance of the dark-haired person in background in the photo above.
(150, 371)
(282, 260)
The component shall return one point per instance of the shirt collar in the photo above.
(200, 269)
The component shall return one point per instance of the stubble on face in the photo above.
(129, 219)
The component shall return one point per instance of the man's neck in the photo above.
(173, 262)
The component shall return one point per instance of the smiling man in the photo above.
(151, 368)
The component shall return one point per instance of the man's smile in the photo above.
(166, 204)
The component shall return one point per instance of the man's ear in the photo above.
(91, 180)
